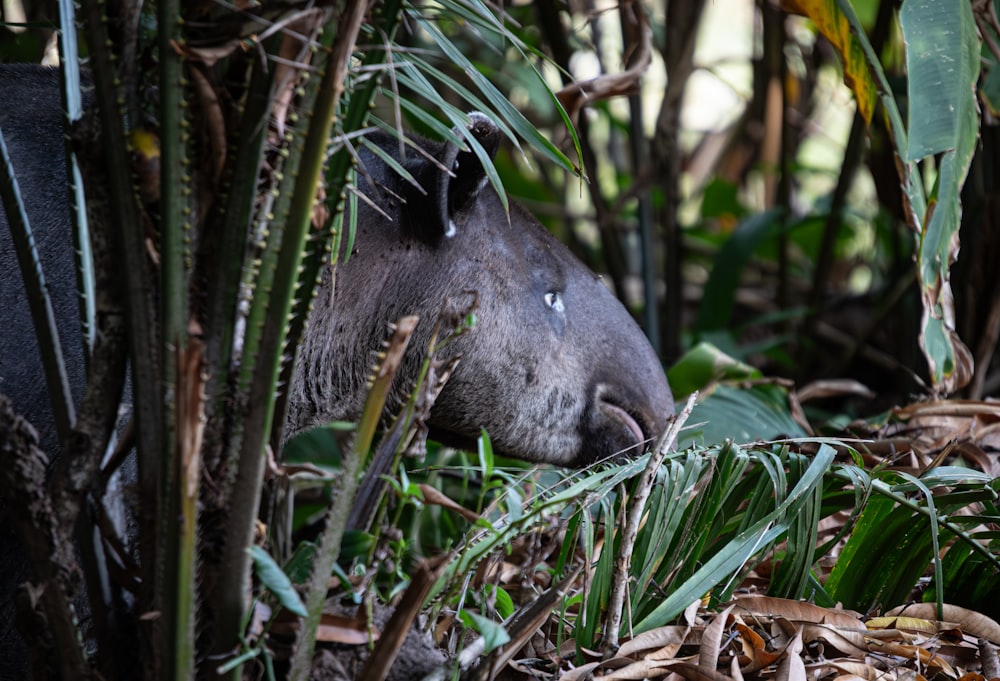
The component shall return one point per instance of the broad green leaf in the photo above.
(504, 603)
(323, 446)
(942, 63)
(702, 365)
(991, 91)
(848, 574)
(944, 119)
(904, 525)
(742, 415)
(494, 635)
(934, 533)
(942, 60)
(969, 579)
(954, 475)
(936, 340)
(888, 551)
(277, 582)
(300, 564)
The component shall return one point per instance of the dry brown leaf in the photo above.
(798, 611)
(711, 640)
(691, 613)
(911, 624)
(348, 630)
(850, 643)
(260, 615)
(833, 387)
(972, 622)
(643, 669)
(211, 109)
(923, 657)
(581, 672)
(435, 497)
(961, 657)
(693, 672)
(988, 658)
(973, 453)
(734, 668)
(755, 649)
(963, 364)
(791, 667)
(667, 640)
(892, 635)
(853, 669)
(939, 417)
(783, 631)
(971, 676)
(904, 674)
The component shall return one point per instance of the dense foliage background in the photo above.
(787, 242)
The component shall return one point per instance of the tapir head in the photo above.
(555, 369)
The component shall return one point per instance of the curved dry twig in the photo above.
(577, 95)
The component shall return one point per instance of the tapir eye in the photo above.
(554, 301)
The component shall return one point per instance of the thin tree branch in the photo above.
(630, 530)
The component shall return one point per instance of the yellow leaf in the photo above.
(904, 624)
(972, 622)
(832, 23)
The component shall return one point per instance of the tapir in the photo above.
(555, 369)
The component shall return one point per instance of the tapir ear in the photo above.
(458, 190)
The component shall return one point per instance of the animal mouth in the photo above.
(624, 418)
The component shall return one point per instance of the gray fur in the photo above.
(31, 120)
